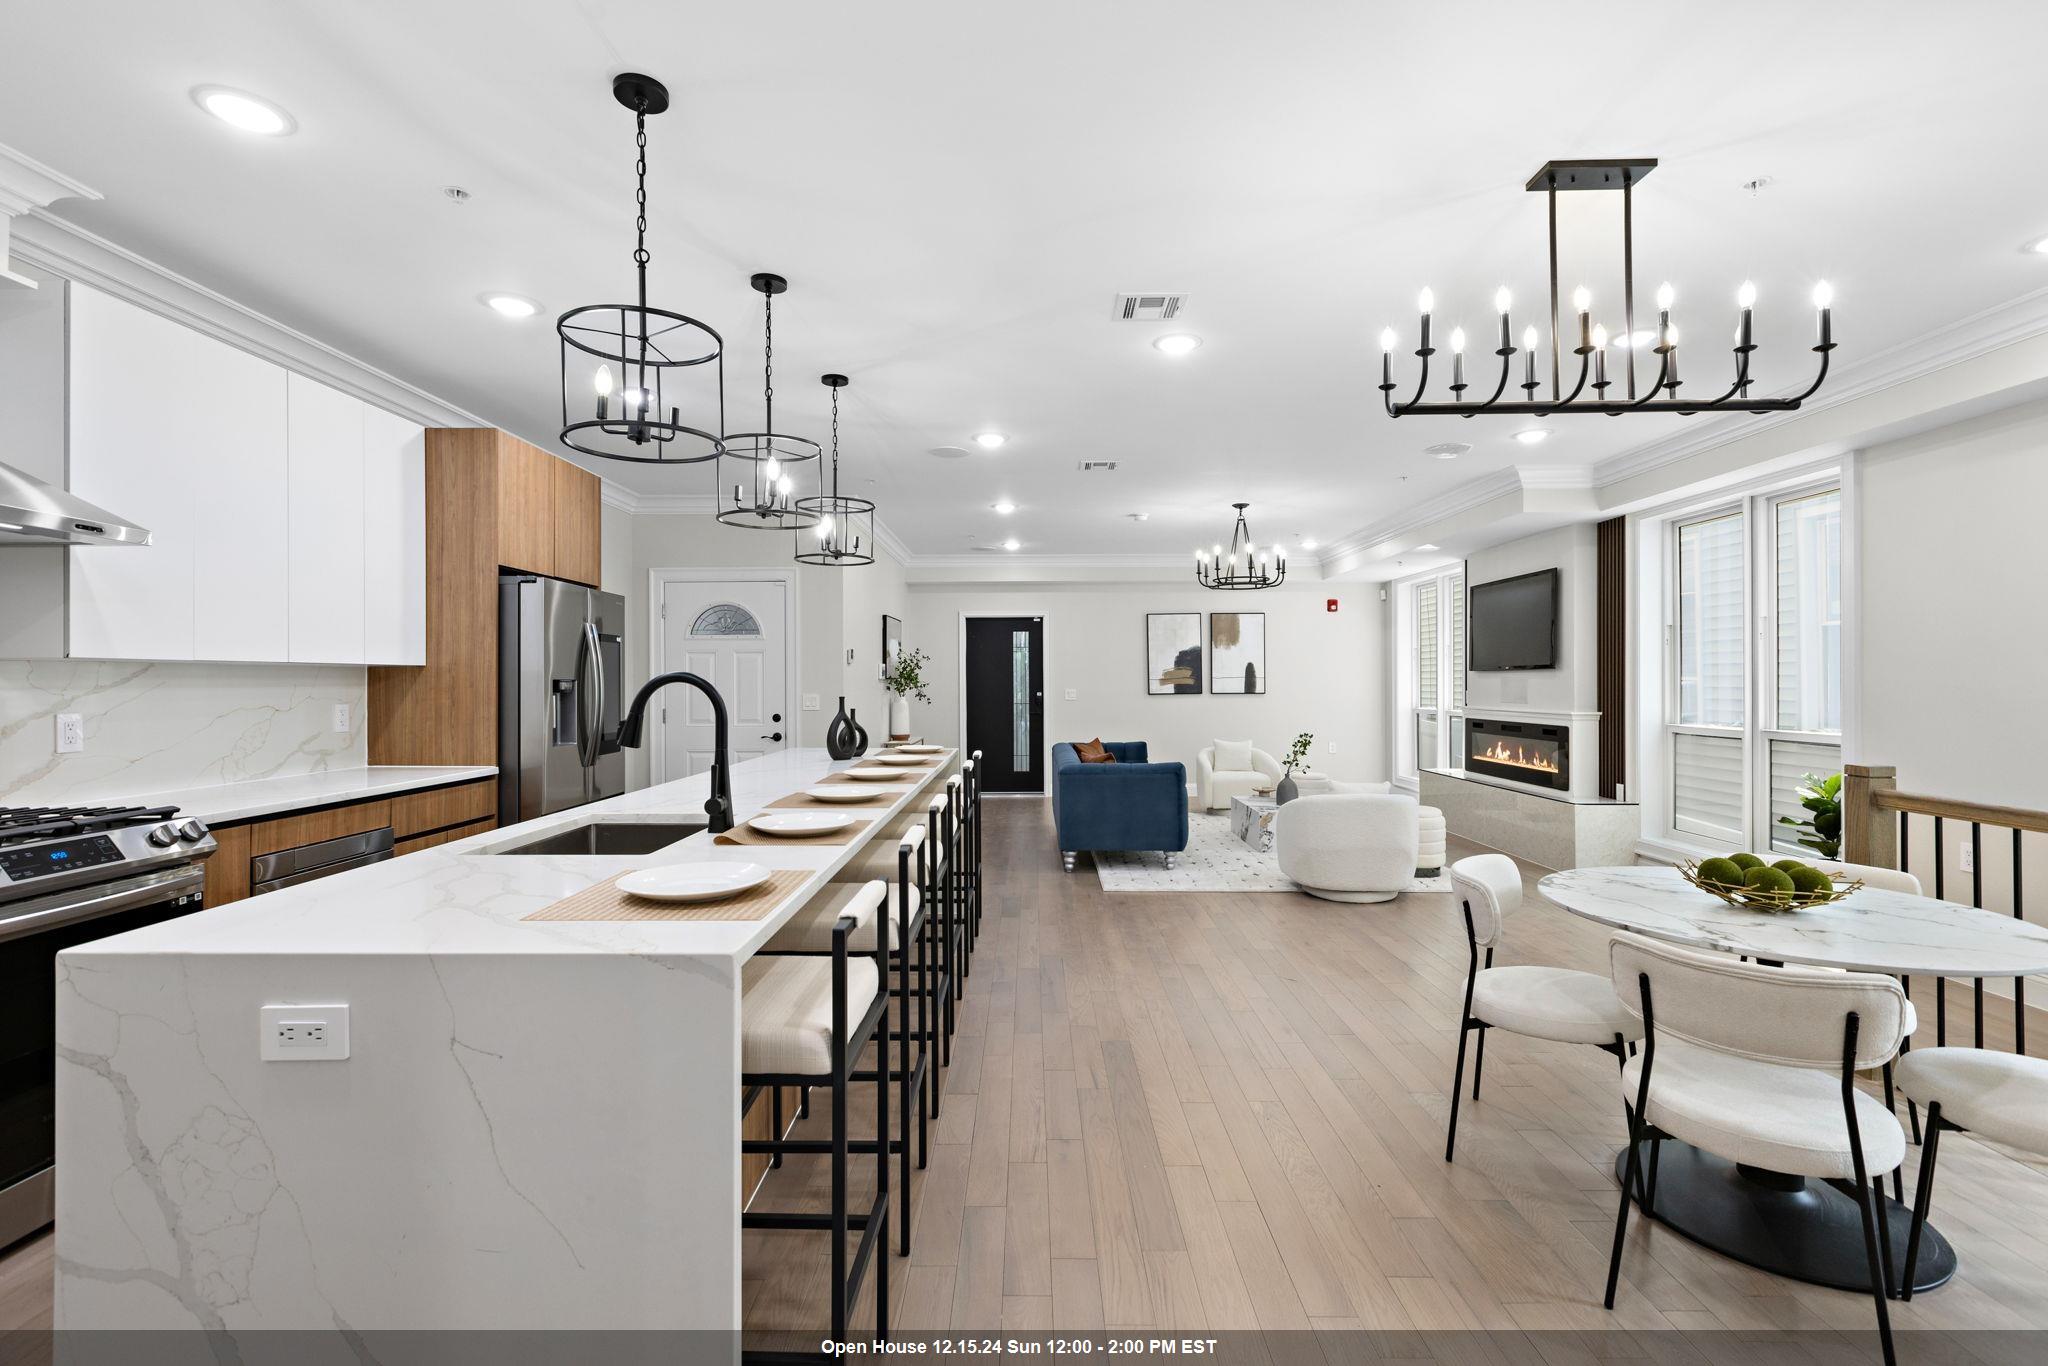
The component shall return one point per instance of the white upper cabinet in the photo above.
(325, 449)
(288, 518)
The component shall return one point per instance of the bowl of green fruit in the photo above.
(1747, 881)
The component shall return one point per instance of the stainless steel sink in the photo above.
(608, 837)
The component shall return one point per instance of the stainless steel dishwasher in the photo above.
(290, 867)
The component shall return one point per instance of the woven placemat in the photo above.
(804, 801)
(605, 901)
(745, 834)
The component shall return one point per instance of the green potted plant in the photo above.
(1823, 828)
(904, 678)
(1297, 757)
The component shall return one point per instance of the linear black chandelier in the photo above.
(845, 530)
(633, 419)
(1661, 396)
(757, 466)
(1216, 568)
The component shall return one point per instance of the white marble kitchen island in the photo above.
(537, 1125)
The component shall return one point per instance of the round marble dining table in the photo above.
(1807, 1230)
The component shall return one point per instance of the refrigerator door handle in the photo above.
(589, 698)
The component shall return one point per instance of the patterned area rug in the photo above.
(1214, 861)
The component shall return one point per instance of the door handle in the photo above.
(591, 704)
(776, 736)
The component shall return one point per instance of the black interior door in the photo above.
(1006, 701)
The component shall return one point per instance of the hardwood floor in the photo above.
(1226, 1111)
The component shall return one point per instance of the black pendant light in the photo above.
(845, 532)
(622, 363)
(757, 471)
(1242, 566)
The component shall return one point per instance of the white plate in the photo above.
(919, 749)
(694, 881)
(875, 775)
(895, 756)
(799, 822)
(841, 794)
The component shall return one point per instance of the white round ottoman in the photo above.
(1429, 841)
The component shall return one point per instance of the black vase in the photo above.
(860, 734)
(840, 735)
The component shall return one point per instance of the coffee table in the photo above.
(1251, 820)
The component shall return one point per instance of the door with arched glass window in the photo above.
(734, 633)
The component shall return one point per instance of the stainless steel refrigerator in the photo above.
(561, 670)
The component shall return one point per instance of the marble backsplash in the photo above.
(152, 727)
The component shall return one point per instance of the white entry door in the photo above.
(733, 633)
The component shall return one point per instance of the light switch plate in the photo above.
(1072, 693)
(314, 1033)
(341, 718)
(70, 733)
(810, 701)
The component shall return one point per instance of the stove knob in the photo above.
(164, 836)
(192, 832)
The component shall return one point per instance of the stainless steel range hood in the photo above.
(33, 513)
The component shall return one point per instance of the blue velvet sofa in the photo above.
(1130, 804)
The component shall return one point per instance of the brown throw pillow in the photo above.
(1092, 752)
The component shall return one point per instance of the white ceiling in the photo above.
(956, 193)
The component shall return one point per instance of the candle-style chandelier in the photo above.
(1243, 565)
(759, 468)
(845, 532)
(1661, 394)
(636, 348)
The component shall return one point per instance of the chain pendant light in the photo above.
(1243, 566)
(845, 532)
(621, 363)
(757, 471)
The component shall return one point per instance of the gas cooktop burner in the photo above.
(19, 824)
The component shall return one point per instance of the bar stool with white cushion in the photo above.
(1999, 1096)
(1758, 1065)
(1558, 1004)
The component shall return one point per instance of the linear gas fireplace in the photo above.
(1519, 751)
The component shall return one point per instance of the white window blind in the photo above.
(1710, 663)
(1808, 532)
(1457, 642)
(1425, 645)
(1706, 787)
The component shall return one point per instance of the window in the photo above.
(1434, 679)
(725, 619)
(1749, 715)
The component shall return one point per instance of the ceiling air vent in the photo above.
(1096, 466)
(1150, 308)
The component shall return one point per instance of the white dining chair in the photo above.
(1558, 1004)
(1999, 1096)
(1758, 1065)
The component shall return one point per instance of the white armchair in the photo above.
(1214, 789)
(1347, 847)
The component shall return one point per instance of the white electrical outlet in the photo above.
(70, 733)
(341, 718)
(810, 701)
(304, 1033)
(1073, 693)
(1329, 747)
(1969, 861)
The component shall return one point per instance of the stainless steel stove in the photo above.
(70, 875)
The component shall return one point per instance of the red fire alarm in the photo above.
(1329, 604)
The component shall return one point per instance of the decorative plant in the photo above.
(905, 675)
(1297, 753)
(1823, 829)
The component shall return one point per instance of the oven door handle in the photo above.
(57, 911)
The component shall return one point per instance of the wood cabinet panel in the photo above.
(417, 812)
(289, 832)
(525, 506)
(460, 832)
(577, 516)
(227, 872)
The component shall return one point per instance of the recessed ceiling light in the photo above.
(1138, 516)
(1642, 336)
(1004, 508)
(1447, 450)
(240, 109)
(1429, 547)
(2037, 247)
(988, 441)
(511, 305)
(948, 452)
(1010, 544)
(1533, 436)
(1177, 343)
(1309, 544)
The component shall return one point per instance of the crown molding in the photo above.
(1979, 334)
(27, 185)
(1471, 494)
(65, 249)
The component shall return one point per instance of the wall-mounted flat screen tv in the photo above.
(1512, 623)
